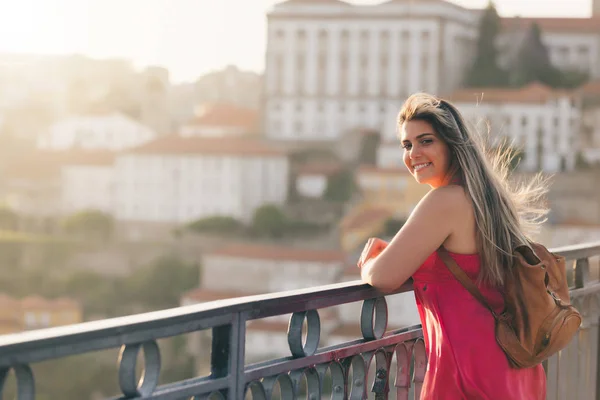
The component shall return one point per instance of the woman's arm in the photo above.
(429, 225)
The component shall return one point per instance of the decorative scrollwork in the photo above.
(127, 365)
(211, 396)
(374, 318)
(382, 371)
(313, 333)
(313, 384)
(257, 391)
(420, 365)
(286, 386)
(403, 352)
(25, 381)
(356, 386)
(338, 382)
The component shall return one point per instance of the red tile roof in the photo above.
(235, 146)
(326, 169)
(40, 303)
(7, 302)
(534, 93)
(591, 88)
(562, 25)
(44, 164)
(279, 253)
(226, 116)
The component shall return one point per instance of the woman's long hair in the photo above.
(505, 212)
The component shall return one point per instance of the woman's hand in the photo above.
(372, 249)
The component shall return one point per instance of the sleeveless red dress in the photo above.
(464, 360)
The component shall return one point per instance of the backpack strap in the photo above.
(464, 279)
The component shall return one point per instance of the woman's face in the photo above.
(426, 155)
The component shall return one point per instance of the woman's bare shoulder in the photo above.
(451, 198)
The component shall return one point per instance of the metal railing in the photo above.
(573, 373)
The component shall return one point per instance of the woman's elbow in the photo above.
(379, 281)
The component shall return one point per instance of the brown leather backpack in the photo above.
(538, 319)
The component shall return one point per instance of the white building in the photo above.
(541, 121)
(261, 269)
(103, 130)
(573, 44)
(175, 179)
(332, 66)
(590, 121)
(312, 179)
(221, 120)
(87, 182)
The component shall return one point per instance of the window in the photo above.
(30, 320)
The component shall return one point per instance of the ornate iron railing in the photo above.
(571, 374)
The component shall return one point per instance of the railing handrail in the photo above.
(27, 347)
(43, 344)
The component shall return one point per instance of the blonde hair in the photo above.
(505, 212)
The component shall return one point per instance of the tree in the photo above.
(368, 151)
(269, 221)
(91, 224)
(533, 62)
(485, 71)
(161, 284)
(340, 186)
(215, 224)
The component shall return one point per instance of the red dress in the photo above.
(464, 360)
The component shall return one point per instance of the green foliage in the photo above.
(533, 63)
(302, 228)
(269, 220)
(155, 286)
(161, 284)
(305, 156)
(340, 186)
(572, 78)
(90, 224)
(215, 224)
(580, 162)
(368, 150)
(485, 71)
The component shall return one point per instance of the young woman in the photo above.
(475, 215)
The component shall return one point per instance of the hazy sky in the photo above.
(190, 37)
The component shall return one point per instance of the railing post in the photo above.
(582, 272)
(227, 356)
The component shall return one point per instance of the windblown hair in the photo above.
(506, 213)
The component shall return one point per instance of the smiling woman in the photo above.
(474, 216)
(427, 156)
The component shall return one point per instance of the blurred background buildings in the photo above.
(242, 183)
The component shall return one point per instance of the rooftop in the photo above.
(534, 93)
(234, 146)
(278, 253)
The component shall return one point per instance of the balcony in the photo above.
(382, 364)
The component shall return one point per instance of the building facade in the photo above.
(96, 131)
(332, 66)
(541, 122)
(176, 179)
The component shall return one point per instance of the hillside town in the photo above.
(274, 181)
